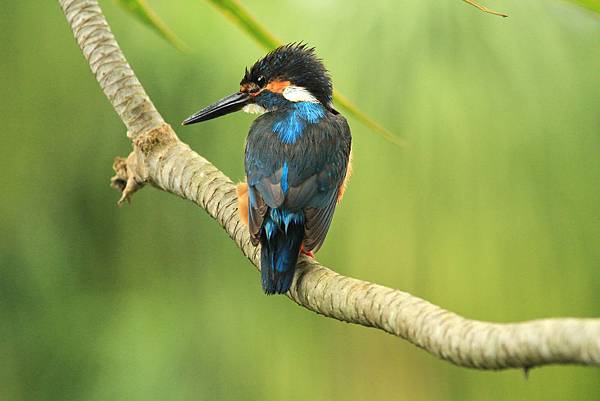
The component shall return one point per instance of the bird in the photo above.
(297, 157)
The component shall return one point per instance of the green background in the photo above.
(492, 211)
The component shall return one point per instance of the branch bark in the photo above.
(161, 159)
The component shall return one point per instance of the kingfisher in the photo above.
(297, 158)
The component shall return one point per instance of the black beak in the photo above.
(224, 106)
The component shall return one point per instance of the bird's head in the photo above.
(289, 74)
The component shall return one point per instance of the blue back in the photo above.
(296, 160)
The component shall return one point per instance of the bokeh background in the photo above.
(491, 211)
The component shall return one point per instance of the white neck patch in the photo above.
(253, 108)
(298, 94)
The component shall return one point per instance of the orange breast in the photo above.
(242, 195)
(346, 178)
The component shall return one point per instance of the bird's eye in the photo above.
(260, 80)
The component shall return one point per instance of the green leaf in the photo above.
(592, 5)
(143, 12)
(234, 11)
(343, 103)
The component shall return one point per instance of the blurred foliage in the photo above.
(240, 16)
(593, 5)
(491, 212)
(142, 11)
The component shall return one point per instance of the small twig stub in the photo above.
(485, 9)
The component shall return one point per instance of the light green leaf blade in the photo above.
(234, 11)
(143, 12)
(343, 103)
(592, 5)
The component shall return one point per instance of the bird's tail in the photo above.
(281, 238)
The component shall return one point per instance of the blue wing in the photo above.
(302, 176)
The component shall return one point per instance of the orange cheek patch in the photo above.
(277, 86)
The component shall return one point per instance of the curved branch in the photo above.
(115, 76)
(161, 159)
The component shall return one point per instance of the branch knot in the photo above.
(151, 141)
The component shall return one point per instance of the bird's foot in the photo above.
(310, 254)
